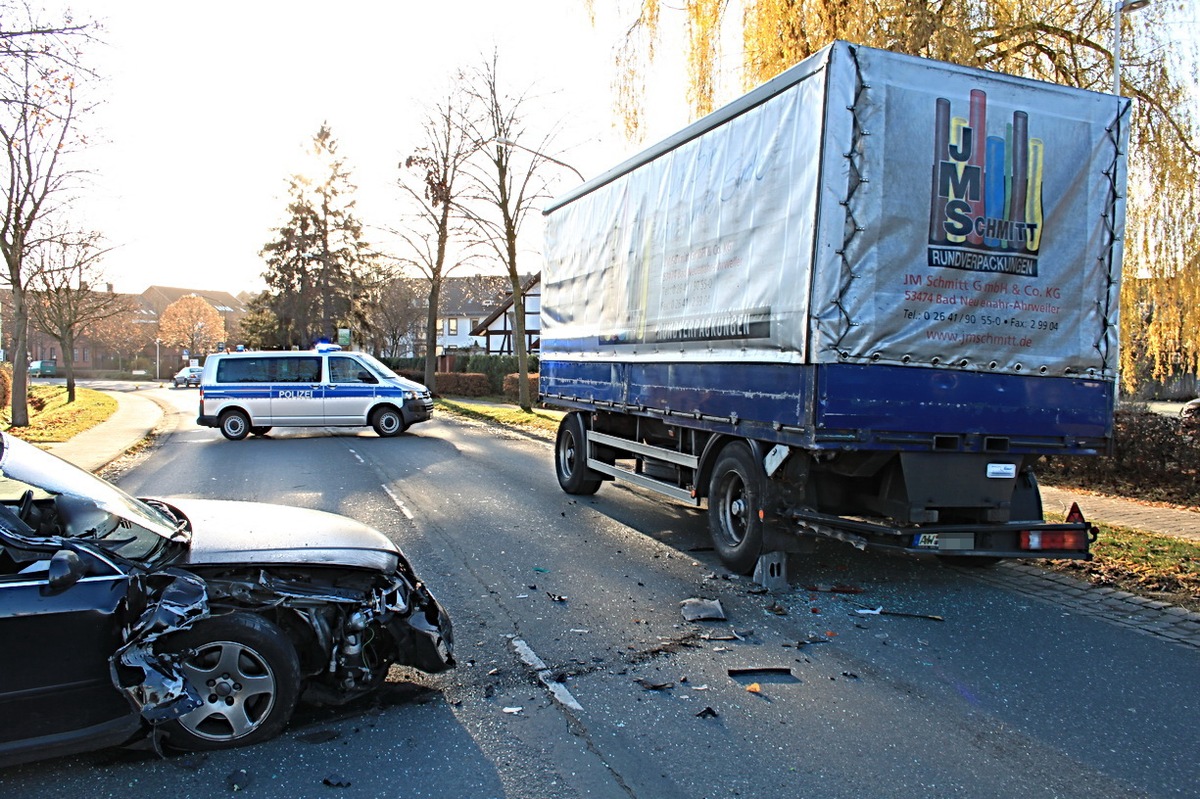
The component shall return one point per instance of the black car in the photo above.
(198, 622)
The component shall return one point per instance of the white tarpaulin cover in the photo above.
(863, 207)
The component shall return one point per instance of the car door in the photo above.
(296, 391)
(349, 391)
(55, 645)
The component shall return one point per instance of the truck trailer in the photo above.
(860, 302)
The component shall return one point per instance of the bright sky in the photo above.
(208, 108)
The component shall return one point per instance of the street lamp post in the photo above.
(1118, 7)
(156, 343)
(540, 154)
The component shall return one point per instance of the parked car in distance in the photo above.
(1189, 417)
(43, 368)
(199, 623)
(188, 376)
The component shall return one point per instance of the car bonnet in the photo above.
(231, 532)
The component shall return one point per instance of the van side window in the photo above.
(244, 370)
(348, 370)
(298, 370)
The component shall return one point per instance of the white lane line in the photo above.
(556, 688)
(399, 504)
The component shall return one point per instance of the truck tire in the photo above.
(735, 502)
(570, 457)
(235, 425)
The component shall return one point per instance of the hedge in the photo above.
(1151, 459)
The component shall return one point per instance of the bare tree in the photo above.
(431, 177)
(506, 184)
(40, 67)
(61, 298)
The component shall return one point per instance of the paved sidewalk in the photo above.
(136, 416)
(1175, 522)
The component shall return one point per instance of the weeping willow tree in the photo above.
(1064, 41)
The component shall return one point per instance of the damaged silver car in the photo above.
(198, 624)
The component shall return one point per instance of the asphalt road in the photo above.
(1008, 695)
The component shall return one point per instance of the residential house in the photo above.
(496, 329)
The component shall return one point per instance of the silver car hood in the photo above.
(228, 532)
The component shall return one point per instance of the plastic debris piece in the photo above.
(850, 675)
(579, 630)
(879, 611)
(238, 780)
(754, 688)
(870, 611)
(512, 711)
(654, 686)
(541, 570)
(777, 609)
(336, 781)
(760, 670)
(707, 713)
(695, 609)
(556, 597)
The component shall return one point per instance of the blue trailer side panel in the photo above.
(839, 405)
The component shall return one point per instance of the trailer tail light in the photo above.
(1066, 540)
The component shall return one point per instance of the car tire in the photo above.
(736, 496)
(248, 676)
(570, 458)
(235, 425)
(387, 422)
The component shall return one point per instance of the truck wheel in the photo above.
(235, 425)
(248, 676)
(570, 457)
(735, 500)
(387, 422)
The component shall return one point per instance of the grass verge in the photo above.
(53, 420)
(539, 421)
(1146, 564)
(1150, 565)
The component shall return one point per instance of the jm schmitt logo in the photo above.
(986, 209)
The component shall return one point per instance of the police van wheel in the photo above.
(387, 422)
(235, 425)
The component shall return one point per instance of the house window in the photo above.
(452, 327)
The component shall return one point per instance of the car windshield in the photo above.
(380, 368)
(85, 505)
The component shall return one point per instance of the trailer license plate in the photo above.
(944, 541)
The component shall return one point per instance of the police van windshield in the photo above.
(377, 366)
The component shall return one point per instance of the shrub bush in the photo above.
(5, 384)
(463, 384)
(496, 367)
(512, 383)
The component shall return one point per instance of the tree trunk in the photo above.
(435, 291)
(518, 305)
(68, 356)
(20, 362)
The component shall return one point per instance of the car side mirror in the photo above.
(66, 568)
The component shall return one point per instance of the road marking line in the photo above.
(399, 504)
(558, 691)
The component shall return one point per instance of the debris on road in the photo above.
(556, 597)
(512, 711)
(696, 609)
(238, 780)
(879, 611)
(654, 686)
(707, 713)
(336, 781)
(759, 671)
(777, 609)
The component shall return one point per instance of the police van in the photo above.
(250, 392)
